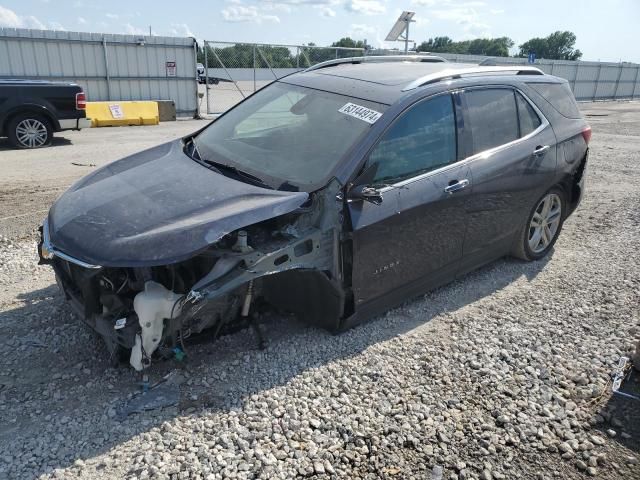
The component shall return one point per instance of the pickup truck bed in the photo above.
(32, 110)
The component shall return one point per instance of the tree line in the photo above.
(265, 56)
(557, 46)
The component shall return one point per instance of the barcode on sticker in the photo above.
(358, 111)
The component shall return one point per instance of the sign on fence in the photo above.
(172, 70)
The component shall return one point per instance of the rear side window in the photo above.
(493, 117)
(560, 97)
(529, 119)
(421, 140)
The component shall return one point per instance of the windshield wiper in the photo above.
(195, 153)
(223, 167)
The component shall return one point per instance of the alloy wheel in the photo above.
(31, 133)
(545, 222)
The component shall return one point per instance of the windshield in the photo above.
(288, 135)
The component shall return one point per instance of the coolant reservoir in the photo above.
(152, 305)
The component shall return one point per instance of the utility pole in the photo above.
(149, 30)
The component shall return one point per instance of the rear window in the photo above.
(493, 117)
(529, 119)
(560, 97)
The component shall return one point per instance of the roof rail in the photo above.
(377, 59)
(454, 73)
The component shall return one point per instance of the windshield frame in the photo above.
(283, 184)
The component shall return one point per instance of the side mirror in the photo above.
(361, 188)
(366, 193)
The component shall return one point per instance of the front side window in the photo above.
(288, 135)
(421, 140)
(529, 119)
(493, 117)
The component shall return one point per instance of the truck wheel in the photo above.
(29, 130)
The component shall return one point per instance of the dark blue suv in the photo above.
(334, 193)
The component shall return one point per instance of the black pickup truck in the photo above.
(32, 110)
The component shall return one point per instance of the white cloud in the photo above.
(181, 30)
(278, 7)
(82, 21)
(467, 17)
(365, 7)
(112, 16)
(326, 11)
(9, 18)
(131, 30)
(56, 26)
(360, 30)
(241, 13)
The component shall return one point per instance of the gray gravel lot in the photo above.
(502, 375)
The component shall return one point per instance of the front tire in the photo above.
(539, 233)
(29, 130)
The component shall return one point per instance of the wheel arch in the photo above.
(30, 108)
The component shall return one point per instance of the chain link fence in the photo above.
(233, 71)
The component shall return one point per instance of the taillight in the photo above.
(586, 134)
(81, 101)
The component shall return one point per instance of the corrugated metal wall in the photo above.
(588, 80)
(109, 67)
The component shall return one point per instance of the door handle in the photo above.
(456, 185)
(541, 150)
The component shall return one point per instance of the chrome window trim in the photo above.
(484, 154)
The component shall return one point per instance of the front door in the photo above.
(418, 230)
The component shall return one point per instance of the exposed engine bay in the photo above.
(289, 262)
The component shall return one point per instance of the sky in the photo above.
(606, 30)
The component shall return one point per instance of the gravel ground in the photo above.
(32, 180)
(502, 375)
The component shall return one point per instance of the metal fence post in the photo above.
(575, 78)
(615, 92)
(254, 67)
(196, 115)
(206, 72)
(106, 66)
(633, 94)
(597, 82)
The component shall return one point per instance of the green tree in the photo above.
(498, 47)
(557, 46)
(348, 43)
(242, 56)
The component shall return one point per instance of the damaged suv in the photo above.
(333, 193)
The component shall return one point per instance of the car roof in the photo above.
(390, 74)
(387, 82)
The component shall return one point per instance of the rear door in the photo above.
(513, 163)
(418, 230)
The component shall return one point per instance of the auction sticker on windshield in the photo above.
(358, 111)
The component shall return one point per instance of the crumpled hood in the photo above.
(157, 207)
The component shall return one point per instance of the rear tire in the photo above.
(29, 130)
(539, 233)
